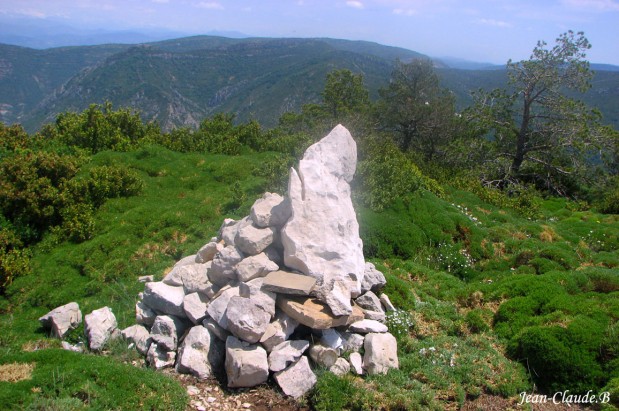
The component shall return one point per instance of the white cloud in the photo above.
(593, 5)
(211, 5)
(405, 12)
(495, 23)
(354, 4)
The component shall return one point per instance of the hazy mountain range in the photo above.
(181, 81)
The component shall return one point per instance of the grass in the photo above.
(472, 282)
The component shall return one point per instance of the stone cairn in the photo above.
(288, 280)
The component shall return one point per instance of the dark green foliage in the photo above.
(14, 260)
(101, 128)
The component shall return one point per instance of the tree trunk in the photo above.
(522, 138)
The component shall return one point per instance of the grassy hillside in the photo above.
(479, 279)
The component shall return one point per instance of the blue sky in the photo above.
(481, 30)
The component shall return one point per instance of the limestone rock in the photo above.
(164, 298)
(384, 299)
(246, 319)
(352, 342)
(272, 210)
(337, 294)
(321, 239)
(369, 301)
(255, 266)
(166, 331)
(373, 280)
(368, 326)
(190, 259)
(323, 356)
(144, 314)
(340, 368)
(252, 240)
(379, 316)
(192, 277)
(331, 338)
(200, 353)
(139, 336)
(215, 329)
(254, 290)
(62, 319)
(286, 353)
(228, 230)
(208, 251)
(278, 331)
(246, 364)
(356, 363)
(195, 305)
(381, 353)
(222, 269)
(314, 314)
(297, 379)
(218, 305)
(159, 357)
(98, 327)
(283, 282)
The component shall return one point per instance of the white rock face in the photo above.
(368, 326)
(218, 305)
(246, 319)
(63, 319)
(356, 363)
(278, 331)
(297, 379)
(98, 327)
(200, 353)
(144, 314)
(341, 367)
(321, 239)
(252, 240)
(222, 269)
(255, 266)
(246, 364)
(195, 305)
(381, 353)
(159, 357)
(372, 279)
(208, 251)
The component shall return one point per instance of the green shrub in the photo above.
(14, 260)
(476, 321)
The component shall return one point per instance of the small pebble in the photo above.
(211, 399)
(246, 405)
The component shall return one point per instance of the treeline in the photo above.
(509, 148)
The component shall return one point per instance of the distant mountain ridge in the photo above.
(179, 82)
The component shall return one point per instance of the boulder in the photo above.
(222, 269)
(166, 331)
(315, 314)
(369, 301)
(255, 266)
(195, 305)
(218, 305)
(278, 331)
(215, 329)
(379, 316)
(286, 353)
(297, 379)
(228, 230)
(337, 294)
(373, 280)
(356, 363)
(252, 240)
(246, 364)
(192, 277)
(264, 299)
(352, 342)
(384, 299)
(321, 239)
(208, 251)
(159, 357)
(272, 210)
(323, 356)
(98, 327)
(283, 282)
(246, 319)
(331, 338)
(381, 353)
(167, 299)
(200, 353)
(139, 336)
(62, 319)
(340, 368)
(144, 314)
(368, 326)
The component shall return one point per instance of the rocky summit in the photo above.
(274, 294)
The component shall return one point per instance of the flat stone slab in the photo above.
(314, 313)
(283, 282)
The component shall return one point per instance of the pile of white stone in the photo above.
(285, 283)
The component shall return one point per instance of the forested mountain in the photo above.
(181, 81)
